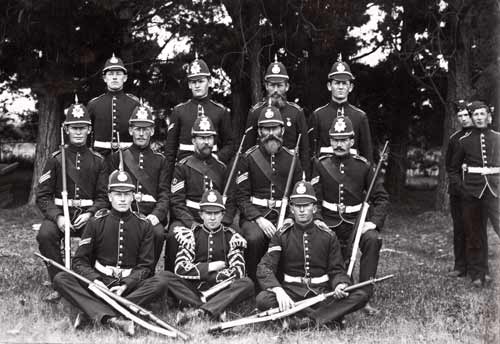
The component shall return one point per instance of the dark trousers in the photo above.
(49, 244)
(369, 245)
(476, 212)
(323, 312)
(257, 244)
(458, 233)
(80, 296)
(158, 239)
(187, 292)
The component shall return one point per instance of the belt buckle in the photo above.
(341, 207)
(305, 280)
(271, 203)
(76, 203)
(138, 196)
(117, 273)
(114, 145)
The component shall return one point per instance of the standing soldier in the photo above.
(475, 171)
(308, 261)
(111, 111)
(261, 181)
(116, 252)
(340, 85)
(179, 144)
(276, 84)
(86, 186)
(193, 175)
(341, 181)
(465, 122)
(211, 256)
(149, 174)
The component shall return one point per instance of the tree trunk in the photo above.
(48, 136)
(254, 49)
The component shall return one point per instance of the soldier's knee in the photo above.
(265, 300)
(61, 279)
(48, 232)
(371, 239)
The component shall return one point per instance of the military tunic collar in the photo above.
(209, 231)
(136, 149)
(77, 149)
(115, 93)
(121, 215)
(308, 228)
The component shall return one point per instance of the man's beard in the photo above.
(278, 100)
(205, 151)
(272, 143)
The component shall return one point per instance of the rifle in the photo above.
(64, 196)
(284, 200)
(127, 308)
(364, 211)
(235, 164)
(275, 313)
(205, 295)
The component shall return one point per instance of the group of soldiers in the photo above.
(473, 165)
(126, 202)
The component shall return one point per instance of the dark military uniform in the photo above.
(86, 186)
(261, 183)
(475, 171)
(310, 263)
(116, 248)
(340, 183)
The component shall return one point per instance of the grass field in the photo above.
(420, 305)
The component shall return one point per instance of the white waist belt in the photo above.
(140, 197)
(306, 280)
(111, 145)
(192, 204)
(75, 202)
(190, 148)
(112, 271)
(347, 209)
(484, 170)
(270, 203)
(330, 150)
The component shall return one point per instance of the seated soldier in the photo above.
(310, 262)
(116, 251)
(210, 255)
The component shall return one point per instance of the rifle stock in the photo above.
(284, 201)
(64, 197)
(275, 313)
(362, 216)
(117, 302)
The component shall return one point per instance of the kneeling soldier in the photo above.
(210, 258)
(310, 263)
(116, 251)
(86, 187)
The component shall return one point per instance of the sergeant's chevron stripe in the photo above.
(274, 248)
(176, 187)
(315, 180)
(85, 241)
(171, 126)
(44, 177)
(241, 178)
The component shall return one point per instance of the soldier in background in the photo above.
(210, 254)
(86, 187)
(340, 84)
(308, 261)
(147, 169)
(178, 144)
(111, 111)
(193, 175)
(475, 171)
(262, 176)
(341, 180)
(277, 85)
(116, 252)
(465, 122)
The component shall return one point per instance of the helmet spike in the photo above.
(196, 55)
(275, 58)
(340, 57)
(76, 98)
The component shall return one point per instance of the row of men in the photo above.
(473, 165)
(111, 111)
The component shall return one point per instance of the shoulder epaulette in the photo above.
(285, 227)
(323, 157)
(95, 98)
(56, 153)
(295, 105)
(321, 107)
(219, 105)
(287, 150)
(183, 103)
(158, 153)
(357, 108)
(362, 158)
(257, 105)
(101, 213)
(99, 155)
(326, 230)
(251, 150)
(133, 97)
(140, 216)
(465, 135)
(454, 134)
(183, 160)
(228, 229)
(495, 132)
(216, 158)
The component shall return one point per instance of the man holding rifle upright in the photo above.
(309, 258)
(116, 252)
(85, 184)
(262, 177)
(341, 181)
